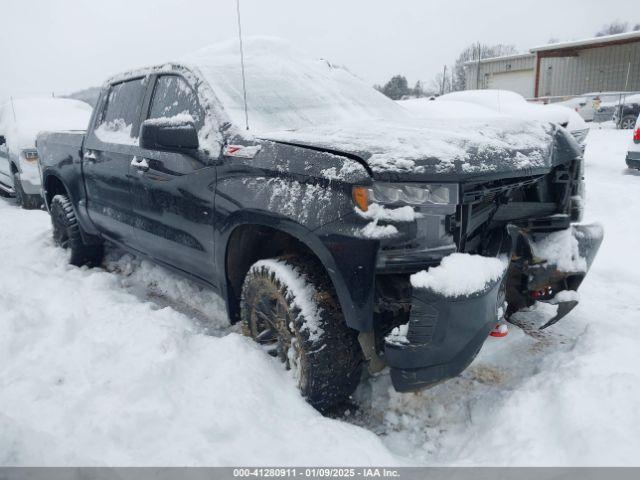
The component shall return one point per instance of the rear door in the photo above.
(108, 151)
(173, 194)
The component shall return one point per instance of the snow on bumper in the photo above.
(448, 325)
(455, 305)
(548, 267)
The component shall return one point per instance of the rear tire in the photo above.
(28, 202)
(628, 122)
(289, 307)
(67, 234)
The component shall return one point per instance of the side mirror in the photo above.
(2, 140)
(168, 134)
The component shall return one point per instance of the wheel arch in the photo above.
(52, 186)
(268, 237)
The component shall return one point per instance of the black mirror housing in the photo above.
(168, 134)
(2, 140)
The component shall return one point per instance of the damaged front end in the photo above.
(549, 267)
(446, 329)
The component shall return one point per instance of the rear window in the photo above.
(120, 117)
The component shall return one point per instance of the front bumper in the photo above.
(444, 334)
(633, 160)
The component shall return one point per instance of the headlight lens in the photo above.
(397, 194)
(30, 155)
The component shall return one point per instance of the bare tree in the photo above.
(472, 52)
(613, 28)
(441, 83)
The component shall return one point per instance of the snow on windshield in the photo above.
(284, 90)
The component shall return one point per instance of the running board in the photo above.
(8, 190)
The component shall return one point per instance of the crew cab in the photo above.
(342, 232)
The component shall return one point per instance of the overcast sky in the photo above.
(65, 45)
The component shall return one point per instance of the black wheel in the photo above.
(628, 122)
(289, 307)
(67, 234)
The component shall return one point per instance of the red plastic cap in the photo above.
(500, 330)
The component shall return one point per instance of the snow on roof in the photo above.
(587, 42)
(501, 58)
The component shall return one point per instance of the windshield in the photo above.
(285, 92)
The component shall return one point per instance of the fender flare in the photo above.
(354, 316)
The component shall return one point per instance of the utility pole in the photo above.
(478, 69)
(444, 79)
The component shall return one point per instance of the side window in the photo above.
(121, 114)
(172, 95)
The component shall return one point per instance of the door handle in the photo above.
(89, 156)
(140, 163)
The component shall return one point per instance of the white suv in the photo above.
(633, 156)
(20, 122)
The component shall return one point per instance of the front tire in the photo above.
(289, 307)
(28, 202)
(67, 234)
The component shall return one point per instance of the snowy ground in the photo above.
(131, 365)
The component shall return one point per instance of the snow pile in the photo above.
(460, 274)
(561, 249)
(378, 232)
(623, 99)
(95, 372)
(116, 131)
(176, 120)
(303, 294)
(565, 296)
(515, 105)
(33, 115)
(349, 171)
(437, 110)
(380, 212)
(433, 146)
(398, 335)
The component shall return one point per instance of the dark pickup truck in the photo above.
(341, 232)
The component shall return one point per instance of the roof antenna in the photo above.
(244, 83)
(13, 108)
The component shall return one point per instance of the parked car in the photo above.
(20, 121)
(626, 113)
(320, 210)
(633, 155)
(588, 104)
(514, 104)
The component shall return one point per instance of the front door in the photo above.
(173, 192)
(108, 151)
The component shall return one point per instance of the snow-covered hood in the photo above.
(430, 148)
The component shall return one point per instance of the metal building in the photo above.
(512, 72)
(610, 63)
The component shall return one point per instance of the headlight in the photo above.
(30, 156)
(397, 194)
